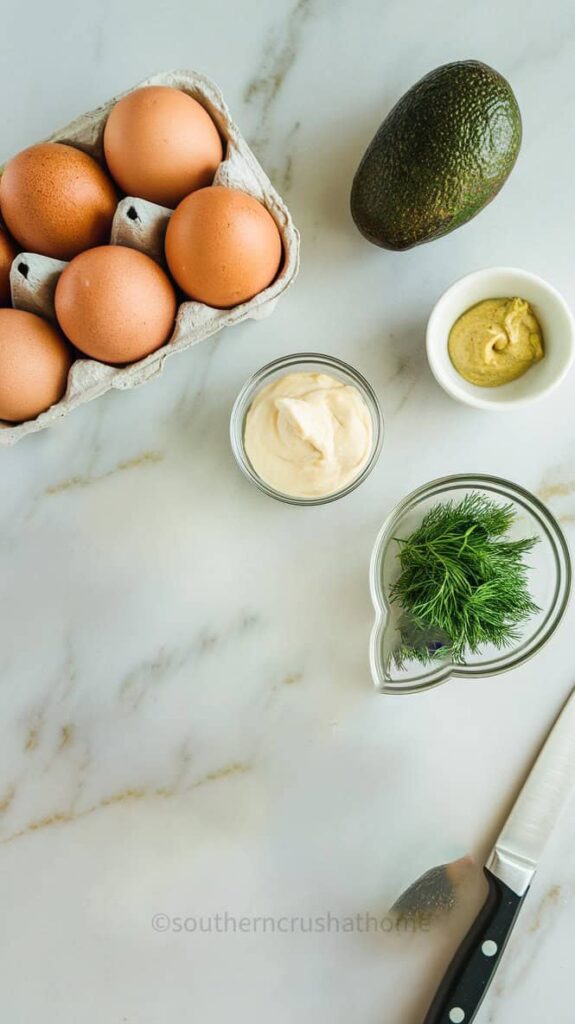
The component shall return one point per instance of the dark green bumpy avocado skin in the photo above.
(440, 156)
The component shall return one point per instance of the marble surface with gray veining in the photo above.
(188, 729)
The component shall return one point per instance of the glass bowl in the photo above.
(303, 362)
(549, 580)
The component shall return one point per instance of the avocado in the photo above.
(440, 156)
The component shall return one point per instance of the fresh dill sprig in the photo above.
(462, 585)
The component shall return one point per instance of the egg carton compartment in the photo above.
(142, 225)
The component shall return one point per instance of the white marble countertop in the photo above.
(188, 725)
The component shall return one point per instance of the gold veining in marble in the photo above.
(124, 796)
(66, 736)
(560, 489)
(6, 799)
(280, 55)
(292, 678)
(32, 738)
(78, 482)
(551, 898)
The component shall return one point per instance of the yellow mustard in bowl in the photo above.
(496, 341)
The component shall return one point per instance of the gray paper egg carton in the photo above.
(142, 225)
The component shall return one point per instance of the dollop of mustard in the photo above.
(495, 342)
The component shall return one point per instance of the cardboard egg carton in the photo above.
(142, 225)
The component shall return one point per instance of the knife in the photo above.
(509, 870)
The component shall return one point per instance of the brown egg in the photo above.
(222, 246)
(115, 304)
(56, 200)
(7, 255)
(161, 144)
(34, 365)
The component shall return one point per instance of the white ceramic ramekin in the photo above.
(552, 312)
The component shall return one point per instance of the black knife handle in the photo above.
(469, 974)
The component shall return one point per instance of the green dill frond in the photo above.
(461, 580)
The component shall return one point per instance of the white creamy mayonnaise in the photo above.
(308, 435)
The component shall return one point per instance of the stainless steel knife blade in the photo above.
(549, 785)
(509, 871)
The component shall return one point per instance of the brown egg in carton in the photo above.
(141, 225)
